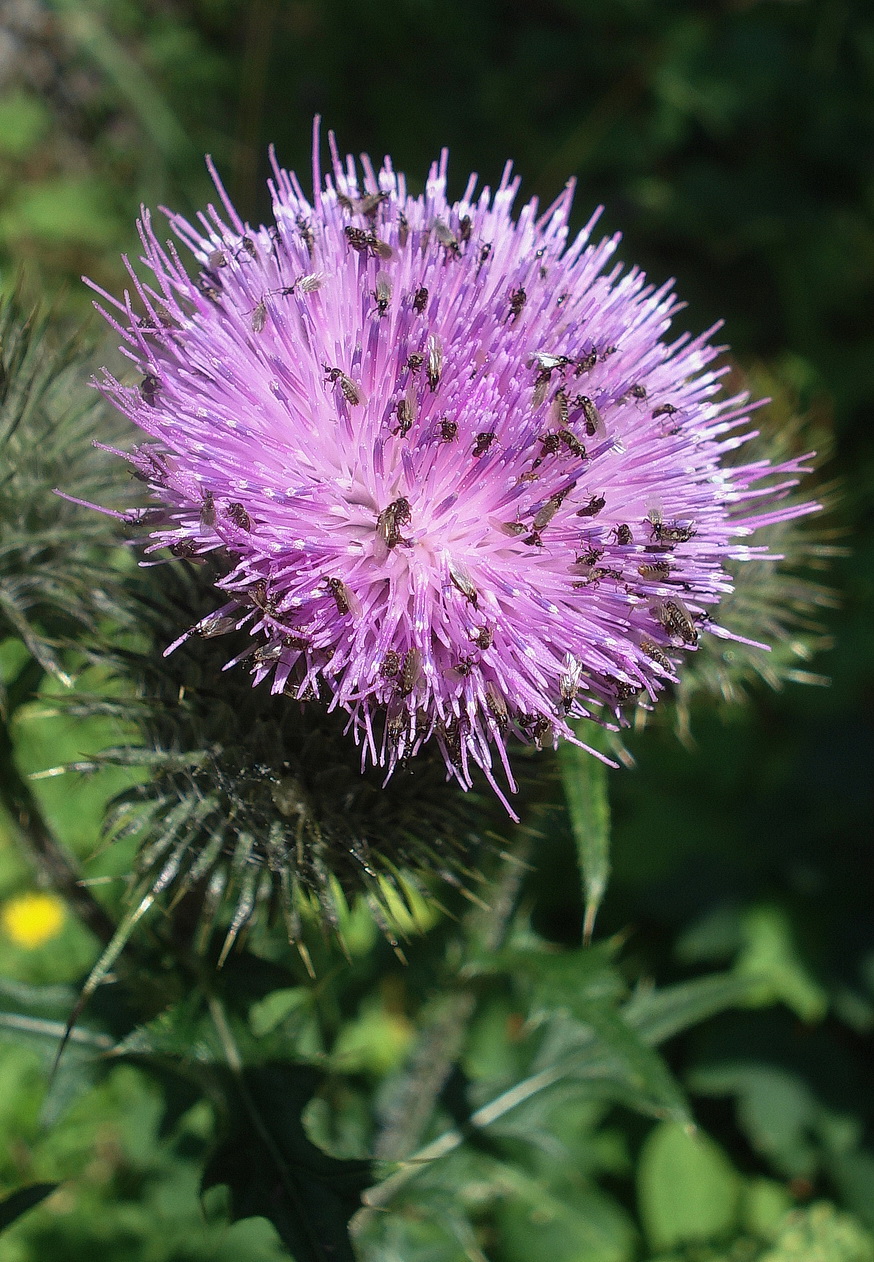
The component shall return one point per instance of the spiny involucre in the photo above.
(459, 482)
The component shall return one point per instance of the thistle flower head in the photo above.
(460, 480)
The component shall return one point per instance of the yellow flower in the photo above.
(32, 919)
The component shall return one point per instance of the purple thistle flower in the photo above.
(458, 481)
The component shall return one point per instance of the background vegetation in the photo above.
(732, 144)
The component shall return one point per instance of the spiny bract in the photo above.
(460, 483)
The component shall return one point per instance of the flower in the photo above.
(32, 919)
(459, 481)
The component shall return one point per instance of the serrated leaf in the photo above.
(585, 787)
(688, 1190)
(21, 1201)
(272, 1169)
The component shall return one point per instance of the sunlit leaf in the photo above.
(585, 786)
(687, 1188)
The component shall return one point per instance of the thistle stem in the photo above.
(441, 1040)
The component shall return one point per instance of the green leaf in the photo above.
(585, 786)
(21, 1201)
(688, 1191)
(660, 1014)
(771, 957)
(272, 1169)
(585, 1226)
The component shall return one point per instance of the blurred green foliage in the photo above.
(732, 144)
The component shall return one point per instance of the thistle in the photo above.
(58, 572)
(457, 479)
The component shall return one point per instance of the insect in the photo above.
(390, 665)
(461, 580)
(212, 625)
(533, 540)
(541, 386)
(464, 666)
(513, 528)
(207, 510)
(344, 598)
(145, 517)
(435, 361)
(637, 392)
(307, 284)
(415, 361)
(209, 285)
(382, 293)
(446, 237)
(586, 362)
(593, 423)
(591, 556)
(396, 718)
(676, 620)
(218, 258)
(405, 412)
(623, 534)
(352, 393)
(391, 519)
(659, 570)
(652, 650)
(541, 729)
(484, 638)
(149, 388)
(558, 410)
(624, 689)
(411, 671)
(239, 516)
(593, 507)
(497, 707)
(573, 444)
(367, 205)
(184, 548)
(247, 246)
(259, 596)
(306, 234)
(465, 228)
(403, 230)
(420, 299)
(448, 430)
(550, 443)
(483, 442)
(667, 534)
(545, 515)
(484, 253)
(364, 242)
(259, 317)
(569, 682)
(518, 298)
(548, 364)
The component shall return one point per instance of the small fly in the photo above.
(149, 388)
(391, 519)
(518, 298)
(352, 392)
(344, 598)
(435, 361)
(483, 442)
(239, 516)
